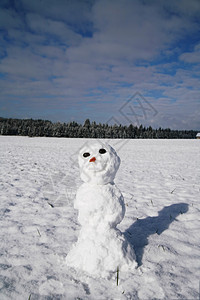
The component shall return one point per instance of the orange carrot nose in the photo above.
(92, 159)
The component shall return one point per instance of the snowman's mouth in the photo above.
(96, 167)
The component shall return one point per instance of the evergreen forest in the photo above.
(33, 128)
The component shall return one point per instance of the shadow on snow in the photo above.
(139, 231)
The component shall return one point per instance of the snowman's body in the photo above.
(99, 206)
(101, 248)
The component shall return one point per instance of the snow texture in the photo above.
(160, 182)
(101, 249)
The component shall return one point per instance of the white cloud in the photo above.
(187, 8)
(10, 19)
(191, 57)
(141, 30)
(74, 12)
(41, 25)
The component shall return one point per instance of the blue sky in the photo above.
(71, 60)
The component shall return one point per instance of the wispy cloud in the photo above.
(77, 59)
(193, 56)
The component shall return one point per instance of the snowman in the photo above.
(101, 248)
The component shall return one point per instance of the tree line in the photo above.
(33, 128)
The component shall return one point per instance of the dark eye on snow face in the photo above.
(86, 154)
(102, 151)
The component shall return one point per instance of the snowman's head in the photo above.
(98, 163)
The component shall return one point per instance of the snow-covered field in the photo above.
(160, 181)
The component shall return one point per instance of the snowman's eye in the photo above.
(102, 151)
(86, 154)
